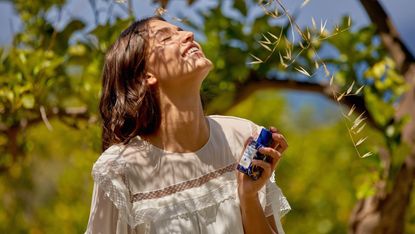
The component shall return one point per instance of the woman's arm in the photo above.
(253, 217)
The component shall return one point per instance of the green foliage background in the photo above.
(47, 187)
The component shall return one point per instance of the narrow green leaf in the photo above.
(298, 31)
(265, 46)
(357, 122)
(316, 64)
(322, 26)
(302, 70)
(367, 154)
(282, 61)
(257, 60)
(272, 35)
(351, 110)
(331, 80)
(336, 28)
(159, 11)
(305, 2)
(361, 115)
(350, 88)
(340, 97)
(361, 128)
(308, 34)
(314, 23)
(301, 45)
(360, 89)
(267, 41)
(287, 55)
(22, 57)
(276, 13)
(28, 101)
(178, 19)
(360, 141)
(326, 70)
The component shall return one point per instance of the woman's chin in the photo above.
(204, 63)
(203, 67)
(198, 67)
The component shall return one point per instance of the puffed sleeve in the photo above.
(111, 209)
(103, 216)
(276, 204)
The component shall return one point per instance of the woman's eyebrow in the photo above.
(167, 30)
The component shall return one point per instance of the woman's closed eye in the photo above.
(167, 38)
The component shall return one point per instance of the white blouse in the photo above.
(139, 188)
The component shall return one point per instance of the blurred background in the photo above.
(333, 76)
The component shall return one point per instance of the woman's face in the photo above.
(173, 55)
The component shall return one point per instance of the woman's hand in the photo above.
(247, 187)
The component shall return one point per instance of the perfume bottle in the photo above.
(251, 152)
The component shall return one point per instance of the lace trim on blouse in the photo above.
(177, 200)
(183, 185)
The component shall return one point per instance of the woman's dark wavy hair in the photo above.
(128, 105)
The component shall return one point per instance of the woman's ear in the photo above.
(150, 79)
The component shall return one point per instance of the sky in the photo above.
(401, 12)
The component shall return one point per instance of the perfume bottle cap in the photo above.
(265, 137)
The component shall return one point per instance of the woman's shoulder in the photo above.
(124, 152)
(233, 120)
(235, 123)
(109, 162)
(111, 153)
(117, 157)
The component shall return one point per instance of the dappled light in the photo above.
(342, 94)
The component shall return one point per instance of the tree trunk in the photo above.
(385, 211)
(385, 214)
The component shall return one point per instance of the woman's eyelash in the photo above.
(166, 38)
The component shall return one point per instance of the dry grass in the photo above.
(307, 38)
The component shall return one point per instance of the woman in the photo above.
(166, 167)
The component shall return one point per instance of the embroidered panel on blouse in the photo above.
(183, 185)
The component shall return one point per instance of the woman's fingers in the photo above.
(274, 154)
(264, 165)
(273, 129)
(280, 143)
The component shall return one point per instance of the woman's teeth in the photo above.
(191, 50)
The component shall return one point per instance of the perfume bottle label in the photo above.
(251, 152)
(248, 155)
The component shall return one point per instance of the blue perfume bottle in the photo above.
(251, 152)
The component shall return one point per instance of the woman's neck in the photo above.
(183, 126)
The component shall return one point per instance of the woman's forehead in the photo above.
(155, 26)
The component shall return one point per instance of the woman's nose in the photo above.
(187, 36)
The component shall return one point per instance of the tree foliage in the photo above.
(50, 135)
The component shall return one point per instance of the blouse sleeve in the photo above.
(103, 216)
(276, 204)
(111, 209)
